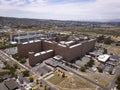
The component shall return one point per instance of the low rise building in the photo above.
(103, 58)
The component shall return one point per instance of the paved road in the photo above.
(8, 58)
(78, 74)
(62, 65)
(116, 75)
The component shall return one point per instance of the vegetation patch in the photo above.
(26, 73)
(112, 49)
(118, 82)
(12, 69)
(99, 79)
(3, 45)
(75, 82)
(21, 60)
(56, 79)
(70, 82)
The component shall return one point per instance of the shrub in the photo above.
(110, 72)
(25, 73)
(21, 60)
(105, 51)
(100, 69)
(83, 69)
(118, 82)
(12, 69)
(108, 41)
(31, 79)
(15, 66)
(90, 63)
(63, 75)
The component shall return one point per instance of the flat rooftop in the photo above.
(103, 58)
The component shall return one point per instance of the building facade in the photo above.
(37, 51)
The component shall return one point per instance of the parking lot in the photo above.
(11, 51)
(83, 61)
(41, 69)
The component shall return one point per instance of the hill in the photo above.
(47, 24)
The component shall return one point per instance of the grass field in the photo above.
(71, 83)
(113, 49)
(75, 82)
(107, 31)
(100, 80)
(56, 79)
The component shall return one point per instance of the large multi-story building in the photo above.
(29, 36)
(68, 46)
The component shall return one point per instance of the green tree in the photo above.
(22, 61)
(100, 69)
(83, 68)
(15, 66)
(48, 88)
(12, 70)
(108, 41)
(90, 63)
(25, 73)
(63, 75)
(41, 84)
(110, 72)
(118, 82)
(105, 51)
(31, 79)
(45, 87)
(7, 66)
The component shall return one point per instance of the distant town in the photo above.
(59, 55)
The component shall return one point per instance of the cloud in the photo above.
(62, 9)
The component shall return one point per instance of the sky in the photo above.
(78, 10)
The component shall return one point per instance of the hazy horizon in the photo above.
(75, 10)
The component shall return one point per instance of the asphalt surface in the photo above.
(114, 80)
(12, 61)
(79, 75)
(8, 58)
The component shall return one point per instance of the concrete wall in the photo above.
(75, 51)
(72, 52)
(33, 60)
(24, 49)
(47, 45)
(68, 53)
(88, 46)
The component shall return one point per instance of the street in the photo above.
(8, 58)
